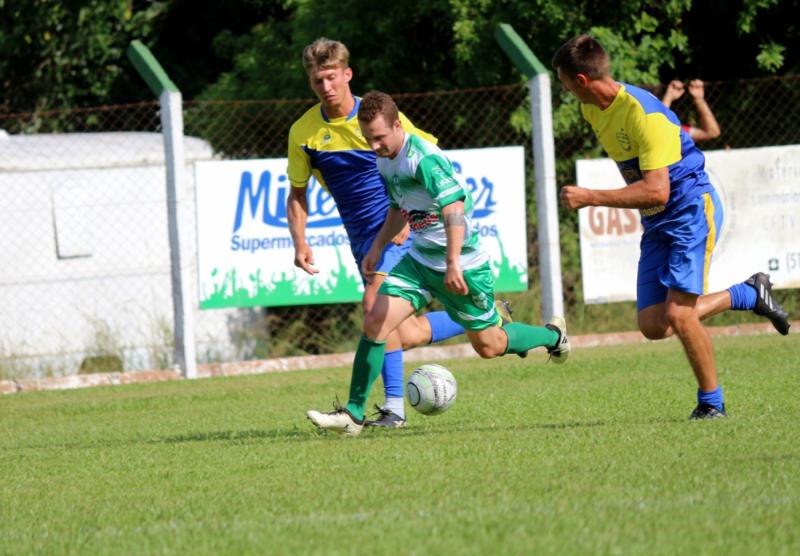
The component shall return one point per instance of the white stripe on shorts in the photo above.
(485, 316)
(395, 281)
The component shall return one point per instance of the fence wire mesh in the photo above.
(86, 263)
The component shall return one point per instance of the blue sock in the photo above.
(392, 374)
(711, 398)
(442, 326)
(743, 297)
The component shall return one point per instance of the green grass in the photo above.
(594, 457)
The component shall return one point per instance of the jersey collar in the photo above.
(350, 116)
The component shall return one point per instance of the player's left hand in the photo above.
(574, 197)
(401, 238)
(454, 279)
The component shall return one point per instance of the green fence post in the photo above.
(544, 162)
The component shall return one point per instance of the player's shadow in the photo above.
(241, 436)
(451, 428)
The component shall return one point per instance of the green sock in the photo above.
(366, 368)
(522, 337)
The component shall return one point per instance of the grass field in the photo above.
(594, 457)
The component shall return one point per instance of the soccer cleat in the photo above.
(560, 351)
(503, 309)
(387, 419)
(766, 306)
(707, 411)
(340, 420)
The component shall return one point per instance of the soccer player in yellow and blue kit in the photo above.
(326, 143)
(681, 213)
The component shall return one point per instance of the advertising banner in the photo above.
(246, 254)
(760, 192)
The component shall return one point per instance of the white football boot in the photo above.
(338, 420)
(560, 352)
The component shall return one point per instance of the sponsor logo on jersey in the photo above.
(419, 219)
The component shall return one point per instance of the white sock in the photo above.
(396, 406)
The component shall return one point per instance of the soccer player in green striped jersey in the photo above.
(446, 261)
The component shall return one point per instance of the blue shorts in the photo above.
(391, 255)
(676, 252)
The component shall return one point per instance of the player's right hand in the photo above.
(574, 197)
(304, 258)
(674, 90)
(369, 263)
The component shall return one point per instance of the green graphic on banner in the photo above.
(340, 287)
(509, 278)
(283, 289)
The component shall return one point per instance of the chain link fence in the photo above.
(86, 267)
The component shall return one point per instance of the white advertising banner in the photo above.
(760, 192)
(246, 254)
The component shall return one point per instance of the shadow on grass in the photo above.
(304, 433)
(242, 436)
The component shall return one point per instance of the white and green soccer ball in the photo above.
(431, 389)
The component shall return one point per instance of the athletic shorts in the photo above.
(419, 284)
(676, 252)
(391, 255)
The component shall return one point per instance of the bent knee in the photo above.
(411, 337)
(681, 319)
(653, 332)
(486, 351)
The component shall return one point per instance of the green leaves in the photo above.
(770, 56)
(60, 54)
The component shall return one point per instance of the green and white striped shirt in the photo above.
(421, 180)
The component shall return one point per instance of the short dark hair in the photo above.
(375, 103)
(582, 54)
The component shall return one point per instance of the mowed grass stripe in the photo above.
(595, 456)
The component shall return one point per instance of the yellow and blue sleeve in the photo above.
(659, 142)
(299, 165)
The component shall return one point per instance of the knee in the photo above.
(652, 332)
(653, 328)
(487, 351)
(411, 336)
(409, 343)
(372, 325)
(680, 318)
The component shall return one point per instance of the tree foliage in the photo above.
(66, 53)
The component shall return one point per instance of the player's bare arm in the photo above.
(297, 216)
(454, 227)
(651, 191)
(393, 225)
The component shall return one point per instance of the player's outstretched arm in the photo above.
(454, 228)
(297, 215)
(651, 191)
(392, 225)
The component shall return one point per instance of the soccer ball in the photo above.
(431, 389)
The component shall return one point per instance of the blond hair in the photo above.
(325, 53)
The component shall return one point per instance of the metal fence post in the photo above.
(544, 167)
(172, 126)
